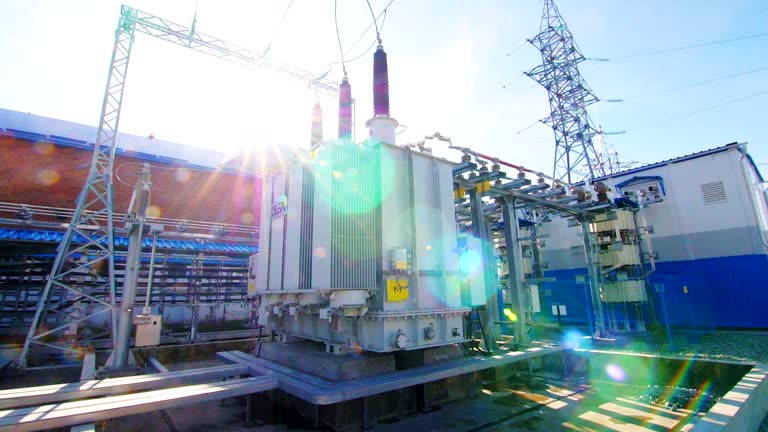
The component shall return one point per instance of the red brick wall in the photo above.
(41, 173)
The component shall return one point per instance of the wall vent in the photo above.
(714, 192)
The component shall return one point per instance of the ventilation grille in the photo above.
(353, 218)
(714, 192)
(307, 220)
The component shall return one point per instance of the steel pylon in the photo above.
(81, 285)
(569, 97)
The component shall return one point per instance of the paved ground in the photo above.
(739, 346)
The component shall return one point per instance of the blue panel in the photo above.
(32, 136)
(564, 291)
(68, 141)
(722, 292)
(56, 237)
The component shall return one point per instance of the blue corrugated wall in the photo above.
(722, 292)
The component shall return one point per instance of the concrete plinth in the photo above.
(311, 358)
(427, 356)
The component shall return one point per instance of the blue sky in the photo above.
(447, 63)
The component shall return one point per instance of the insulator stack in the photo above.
(317, 124)
(345, 110)
(380, 83)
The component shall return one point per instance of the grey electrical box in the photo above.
(148, 329)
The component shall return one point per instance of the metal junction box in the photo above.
(148, 329)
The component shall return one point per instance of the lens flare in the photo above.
(247, 218)
(48, 177)
(469, 261)
(680, 376)
(183, 175)
(509, 314)
(615, 372)
(154, 211)
(572, 338)
(43, 148)
(697, 403)
(354, 179)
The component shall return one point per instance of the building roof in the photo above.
(721, 149)
(62, 132)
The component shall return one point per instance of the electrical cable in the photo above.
(698, 111)
(277, 30)
(338, 37)
(517, 48)
(381, 29)
(686, 47)
(373, 15)
(373, 44)
(513, 80)
(529, 126)
(697, 83)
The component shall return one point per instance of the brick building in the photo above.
(210, 214)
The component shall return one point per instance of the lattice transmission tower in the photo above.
(569, 97)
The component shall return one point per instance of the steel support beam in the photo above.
(480, 230)
(594, 280)
(137, 213)
(518, 295)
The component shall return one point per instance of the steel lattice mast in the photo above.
(81, 285)
(569, 97)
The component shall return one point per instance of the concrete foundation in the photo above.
(311, 358)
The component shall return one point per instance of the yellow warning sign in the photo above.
(397, 290)
(484, 186)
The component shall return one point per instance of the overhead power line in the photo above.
(517, 48)
(721, 78)
(370, 47)
(338, 36)
(698, 111)
(359, 38)
(686, 47)
(277, 30)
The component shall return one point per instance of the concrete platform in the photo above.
(311, 358)
(325, 392)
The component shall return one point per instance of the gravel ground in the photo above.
(750, 347)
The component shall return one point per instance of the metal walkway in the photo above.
(56, 406)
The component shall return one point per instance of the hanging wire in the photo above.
(338, 37)
(373, 15)
(381, 29)
(520, 75)
(686, 47)
(698, 111)
(518, 47)
(529, 126)
(358, 57)
(697, 83)
(277, 30)
(373, 44)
